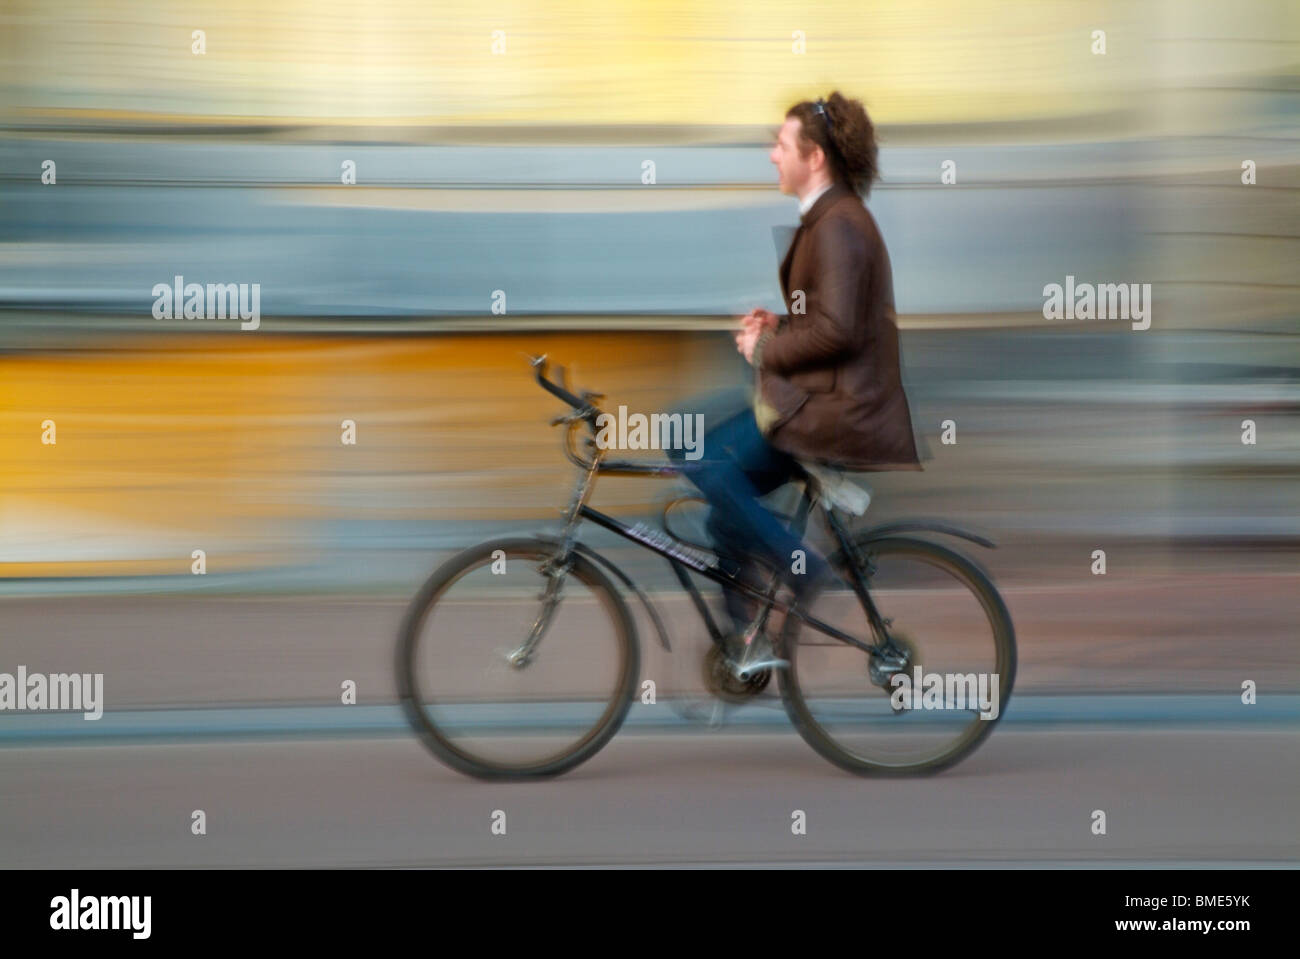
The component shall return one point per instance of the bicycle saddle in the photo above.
(829, 484)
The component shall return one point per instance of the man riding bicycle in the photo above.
(828, 390)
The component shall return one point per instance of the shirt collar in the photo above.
(807, 202)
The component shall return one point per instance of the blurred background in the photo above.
(152, 139)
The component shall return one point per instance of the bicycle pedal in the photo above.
(757, 654)
(747, 671)
(747, 667)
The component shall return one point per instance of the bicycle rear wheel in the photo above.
(488, 717)
(946, 618)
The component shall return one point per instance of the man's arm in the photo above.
(831, 328)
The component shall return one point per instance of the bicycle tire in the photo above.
(412, 697)
(1004, 642)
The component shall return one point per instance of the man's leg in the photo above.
(737, 467)
(731, 542)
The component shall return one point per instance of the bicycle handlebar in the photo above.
(587, 414)
(578, 403)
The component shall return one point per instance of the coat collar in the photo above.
(824, 203)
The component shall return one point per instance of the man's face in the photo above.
(794, 171)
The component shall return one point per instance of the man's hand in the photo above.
(763, 319)
(746, 339)
(753, 325)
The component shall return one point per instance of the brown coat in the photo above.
(832, 372)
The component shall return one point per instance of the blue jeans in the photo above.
(738, 466)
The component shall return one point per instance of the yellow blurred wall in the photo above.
(234, 444)
(726, 62)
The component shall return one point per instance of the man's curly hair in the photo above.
(849, 140)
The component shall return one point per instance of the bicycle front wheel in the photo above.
(952, 649)
(504, 675)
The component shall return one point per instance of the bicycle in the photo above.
(481, 733)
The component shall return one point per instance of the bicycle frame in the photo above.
(682, 556)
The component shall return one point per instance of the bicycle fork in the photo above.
(556, 569)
